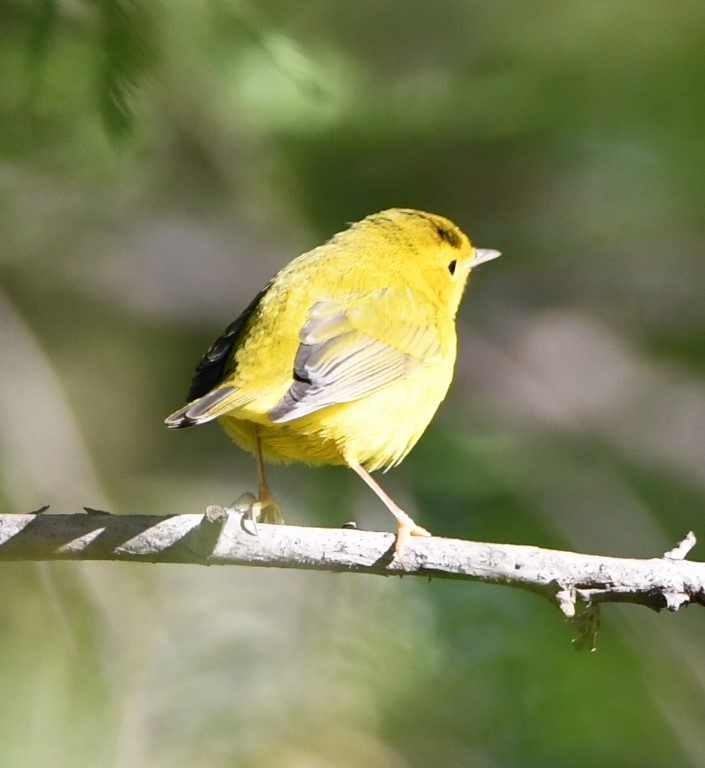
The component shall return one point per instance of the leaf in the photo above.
(129, 54)
(586, 623)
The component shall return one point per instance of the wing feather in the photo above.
(343, 355)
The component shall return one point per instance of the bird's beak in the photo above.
(482, 255)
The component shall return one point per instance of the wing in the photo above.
(346, 354)
(206, 400)
(213, 366)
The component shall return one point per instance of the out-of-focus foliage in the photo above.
(158, 162)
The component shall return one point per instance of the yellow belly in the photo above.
(376, 431)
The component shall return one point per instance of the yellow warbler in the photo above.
(344, 357)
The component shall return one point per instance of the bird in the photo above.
(344, 356)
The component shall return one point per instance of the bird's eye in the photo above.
(451, 267)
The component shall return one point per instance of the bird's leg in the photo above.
(265, 509)
(405, 525)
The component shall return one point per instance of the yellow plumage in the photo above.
(347, 353)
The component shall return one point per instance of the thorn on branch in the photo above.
(681, 549)
(40, 510)
(92, 511)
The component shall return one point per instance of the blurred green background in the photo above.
(158, 163)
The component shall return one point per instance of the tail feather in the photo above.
(202, 410)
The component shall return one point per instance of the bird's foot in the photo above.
(268, 511)
(406, 528)
(262, 510)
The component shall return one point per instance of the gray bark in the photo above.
(225, 537)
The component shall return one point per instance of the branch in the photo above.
(225, 537)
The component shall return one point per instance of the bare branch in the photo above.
(224, 537)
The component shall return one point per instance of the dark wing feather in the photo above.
(214, 364)
(200, 411)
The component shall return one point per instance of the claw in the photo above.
(245, 505)
(262, 510)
